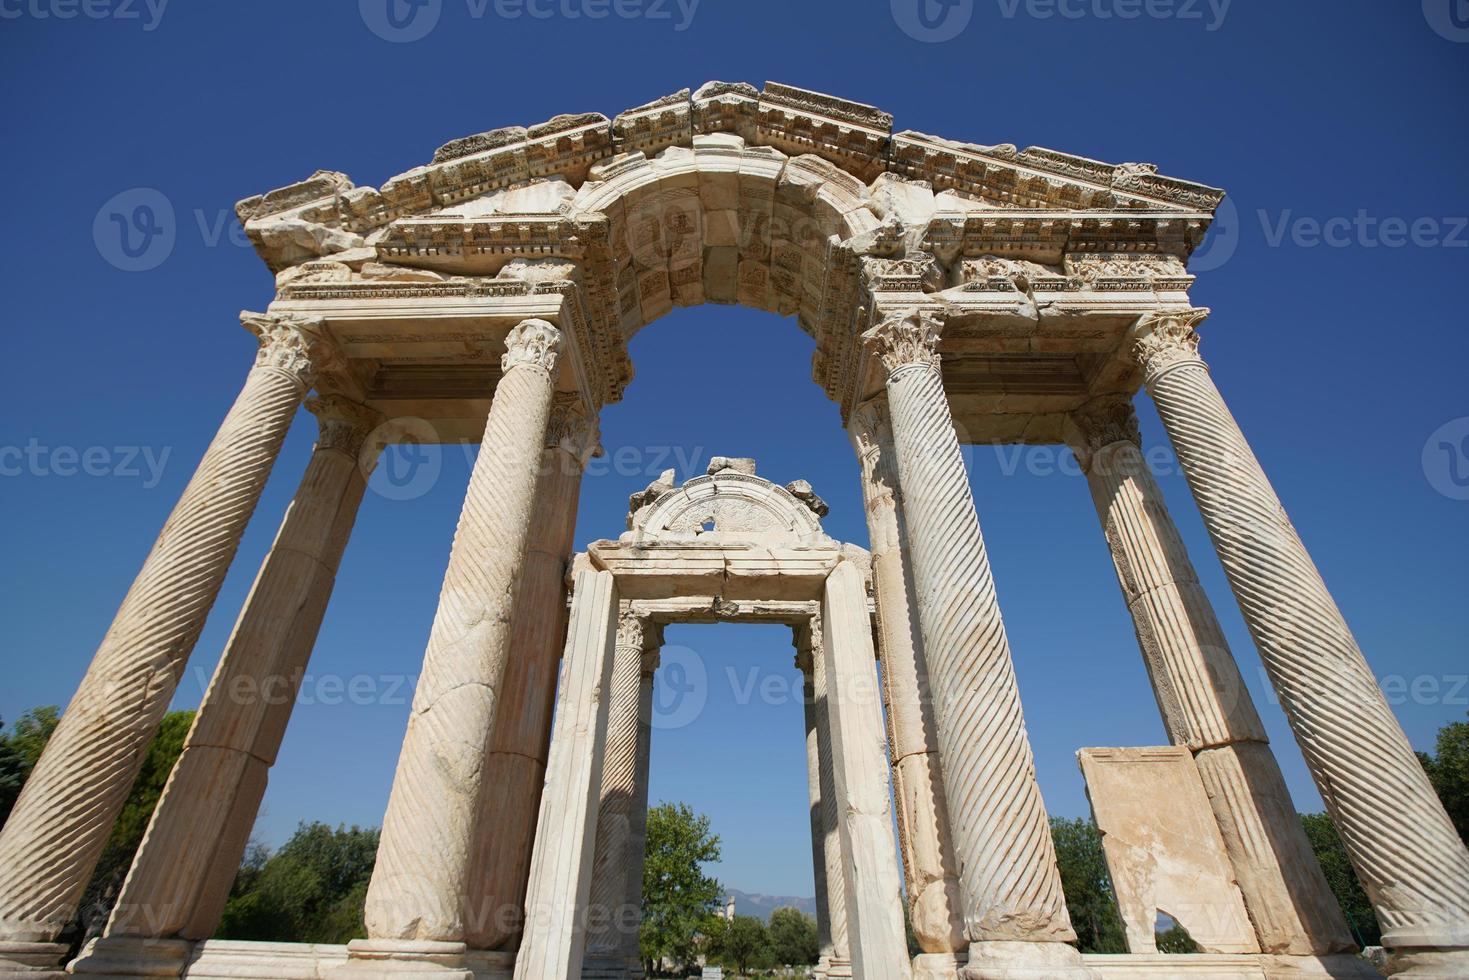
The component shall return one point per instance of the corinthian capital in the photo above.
(297, 345)
(532, 342)
(1166, 338)
(908, 340)
(638, 631)
(870, 425)
(571, 427)
(1102, 422)
(344, 424)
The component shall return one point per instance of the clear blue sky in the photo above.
(1341, 360)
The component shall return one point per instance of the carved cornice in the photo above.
(908, 340)
(343, 424)
(534, 343)
(1166, 339)
(296, 345)
(1103, 422)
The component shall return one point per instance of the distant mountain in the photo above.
(761, 906)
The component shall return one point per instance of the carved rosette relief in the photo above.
(295, 345)
(1167, 339)
(907, 341)
(535, 343)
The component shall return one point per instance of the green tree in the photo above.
(745, 943)
(1448, 770)
(1175, 939)
(1332, 855)
(19, 751)
(679, 899)
(310, 891)
(1089, 895)
(793, 939)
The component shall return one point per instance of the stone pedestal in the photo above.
(1401, 842)
(424, 862)
(1009, 885)
(561, 870)
(52, 840)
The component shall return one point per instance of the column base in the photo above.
(604, 967)
(938, 966)
(1428, 963)
(133, 956)
(404, 959)
(1024, 961)
(837, 969)
(1339, 966)
(33, 961)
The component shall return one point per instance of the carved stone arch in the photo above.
(726, 506)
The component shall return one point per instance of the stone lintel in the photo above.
(728, 571)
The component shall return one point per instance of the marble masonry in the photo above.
(957, 294)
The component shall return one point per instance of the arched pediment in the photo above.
(729, 505)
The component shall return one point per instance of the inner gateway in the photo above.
(956, 293)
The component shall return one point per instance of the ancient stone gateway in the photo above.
(956, 293)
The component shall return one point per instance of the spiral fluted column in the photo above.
(637, 838)
(923, 821)
(836, 952)
(1201, 694)
(818, 821)
(54, 836)
(425, 858)
(184, 868)
(1013, 908)
(516, 765)
(1401, 842)
(609, 919)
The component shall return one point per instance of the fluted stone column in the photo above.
(1014, 912)
(416, 901)
(566, 831)
(637, 845)
(54, 836)
(609, 920)
(1401, 842)
(826, 845)
(181, 876)
(516, 765)
(923, 822)
(854, 713)
(1201, 694)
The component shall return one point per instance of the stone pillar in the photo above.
(516, 765)
(609, 920)
(561, 871)
(637, 845)
(831, 886)
(923, 823)
(1201, 694)
(1014, 912)
(1401, 842)
(416, 901)
(870, 867)
(183, 871)
(55, 834)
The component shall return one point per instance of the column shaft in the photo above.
(561, 871)
(1009, 885)
(869, 866)
(638, 833)
(424, 861)
(818, 816)
(839, 964)
(923, 823)
(1401, 842)
(54, 836)
(182, 874)
(516, 765)
(1202, 696)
